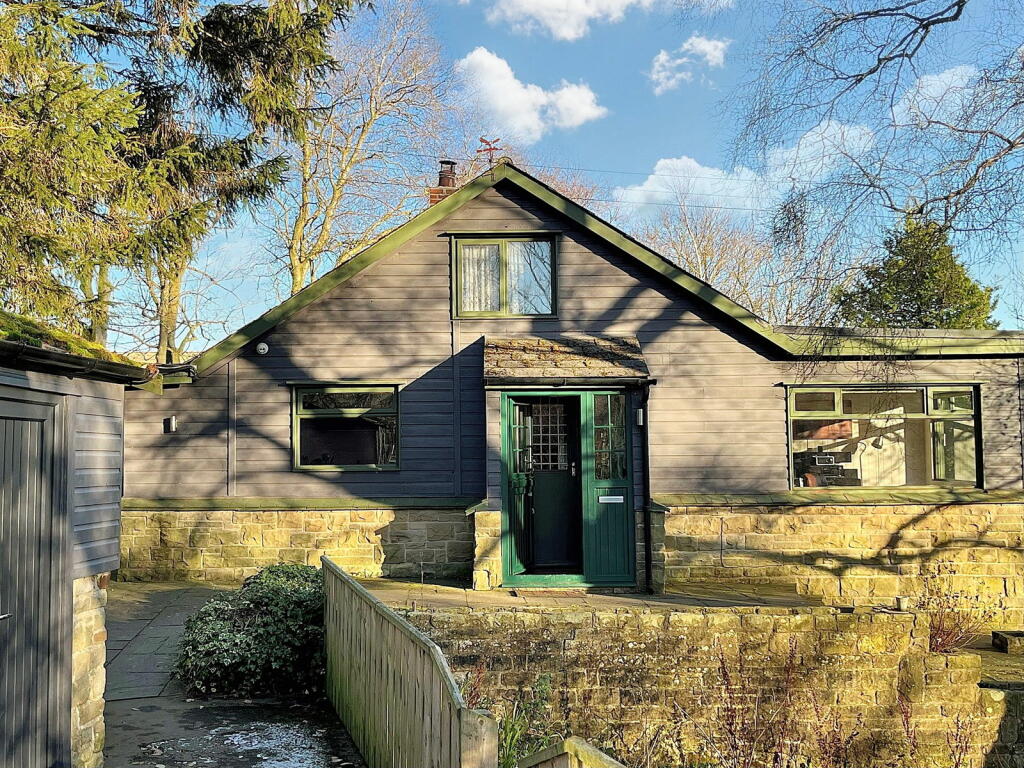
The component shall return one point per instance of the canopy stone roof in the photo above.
(578, 357)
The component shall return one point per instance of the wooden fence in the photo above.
(392, 687)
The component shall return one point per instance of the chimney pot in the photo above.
(446, 183)
(446, 175)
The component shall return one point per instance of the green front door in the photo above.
(607, 503)
(568, 513)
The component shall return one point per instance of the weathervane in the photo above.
(490, 146)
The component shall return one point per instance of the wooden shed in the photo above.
(61, 448)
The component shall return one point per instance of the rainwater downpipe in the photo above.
(645, 449)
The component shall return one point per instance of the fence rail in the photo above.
(392, 687)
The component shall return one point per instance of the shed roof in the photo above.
(584, 357)
(28, 343)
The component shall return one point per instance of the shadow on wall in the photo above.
(844, 689)
(855, 554)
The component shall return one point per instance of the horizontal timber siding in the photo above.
(94, 465)
(716, 419)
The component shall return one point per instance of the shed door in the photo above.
(35, 705)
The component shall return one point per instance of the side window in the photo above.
(342, 427)
(884, 437)
(505, 278)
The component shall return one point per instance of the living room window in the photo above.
(345, 427)
(506, 277)
(884, 437)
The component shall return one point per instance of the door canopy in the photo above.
(565, 361)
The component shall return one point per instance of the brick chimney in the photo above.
(445, 183)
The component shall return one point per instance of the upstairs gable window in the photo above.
(505, 278)
(884, 437)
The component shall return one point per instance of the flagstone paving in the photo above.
(151, 723)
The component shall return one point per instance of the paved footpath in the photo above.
(151, 723)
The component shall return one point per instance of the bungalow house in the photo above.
(508, 389)
(60, 491)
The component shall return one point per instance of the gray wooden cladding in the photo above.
(94, 459)
(392, 687)
(717, 415)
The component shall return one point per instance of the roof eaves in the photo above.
(68, 364)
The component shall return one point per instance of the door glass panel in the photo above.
(481, 278)
(609, 436)
(529, 277)
(520, 438)
(548, 442)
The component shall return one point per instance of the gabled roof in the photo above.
(787, 341)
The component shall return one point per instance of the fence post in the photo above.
(479, 745)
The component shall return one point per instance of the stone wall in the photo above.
(852, 555)
(634, 682)
(225, 546)
(88, 676)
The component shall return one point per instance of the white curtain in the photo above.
(481, 278)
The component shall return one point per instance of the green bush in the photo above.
(266, 638)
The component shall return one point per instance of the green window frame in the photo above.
(951, 410)
(504, 303)
(364, 405)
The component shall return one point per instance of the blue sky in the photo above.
(622, 88)
(613, 58)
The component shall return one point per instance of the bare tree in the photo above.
(779, 277)
(931, 135)
(164, 307)
(364, 160)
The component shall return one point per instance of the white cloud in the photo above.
(936, 97)
(524, 111)
(571, 19)
(674, 178)
(812, 157)
(707, 48)
(669, 70)
(562, 19)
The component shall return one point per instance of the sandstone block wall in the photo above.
(627, 679)
(88, 676)
(852, 555)
(227, 546)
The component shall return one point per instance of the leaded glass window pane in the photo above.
(481, 278)
(529, 277)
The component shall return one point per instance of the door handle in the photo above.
(5, 616)
(572, 469)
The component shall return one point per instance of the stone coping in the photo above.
(585, 754)
(691, 598)
(832, 497)
(286, 504)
